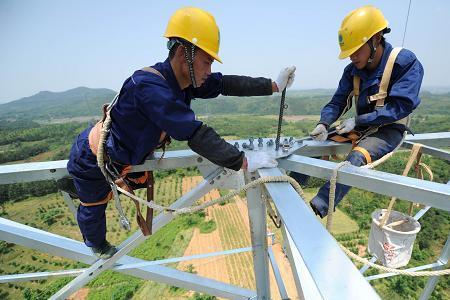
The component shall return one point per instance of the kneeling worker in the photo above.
(385, 84)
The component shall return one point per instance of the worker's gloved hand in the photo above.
(285, 78)
(259, 159)
(346, 126)
(320, 133)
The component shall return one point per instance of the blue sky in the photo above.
(59, 45)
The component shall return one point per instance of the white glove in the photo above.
(320, 133)
(346, 126)
(285, 78)
(259, 159)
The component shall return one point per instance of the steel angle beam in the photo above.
(425, 192)
(435, 152)
(171, 160)
(277, 274)
(331, 270)
(38, 275)
(234, 181)
(318, 149)
(442, 261)
(306, 288)
(418, 268)
(258, 233)
(65, 273)
(437, 139)
(33, 171)
(55, 170)
(30, 237)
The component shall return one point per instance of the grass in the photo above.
(342, 223)
(208, 226)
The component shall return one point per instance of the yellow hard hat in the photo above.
(358, 27)
(197, 27)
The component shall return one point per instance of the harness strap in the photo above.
(356, 84)
(103, 201)
(154, 71)
(352, 136)
(364, 152)
(384, 84)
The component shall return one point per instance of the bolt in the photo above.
(244, 145)
(260, 142)
(52, 170)
(199, 159)
(236, 144)
(212, 182)
(218, 177)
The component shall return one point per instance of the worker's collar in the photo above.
(169, 75)
(378, 72)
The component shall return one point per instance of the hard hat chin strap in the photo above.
(373, 50)
(189, 56)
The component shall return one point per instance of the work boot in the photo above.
(105, 251)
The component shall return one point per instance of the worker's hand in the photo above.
(320, 133)
(285, 78)
(259, 159)
(346, 126)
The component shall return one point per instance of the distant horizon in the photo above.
(431, 89)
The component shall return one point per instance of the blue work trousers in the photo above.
(92, 187)
(378, 144)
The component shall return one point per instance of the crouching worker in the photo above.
(384, 83)
(153, 106)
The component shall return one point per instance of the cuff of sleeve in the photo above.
(327, 126)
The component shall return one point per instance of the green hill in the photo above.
(81, 101)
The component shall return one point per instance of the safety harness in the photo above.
(379, 99)
(118, 175)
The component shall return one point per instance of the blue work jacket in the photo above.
(149, 105)
(403, 91)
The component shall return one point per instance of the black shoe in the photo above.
(315, 210)
(105, 251)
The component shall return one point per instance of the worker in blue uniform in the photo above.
(382, 108)
(153, 106)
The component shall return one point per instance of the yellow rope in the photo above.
(332, 194)
(391, 270)
(192, 209)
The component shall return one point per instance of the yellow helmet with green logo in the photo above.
(197, 27)
(358, 27)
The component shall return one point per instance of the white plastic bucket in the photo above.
(393, 245)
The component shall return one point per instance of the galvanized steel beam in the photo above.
(420, 191)
(332, 271)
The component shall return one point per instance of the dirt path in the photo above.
(81, 294)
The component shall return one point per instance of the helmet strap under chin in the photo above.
(189, 56)
(373, 50)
